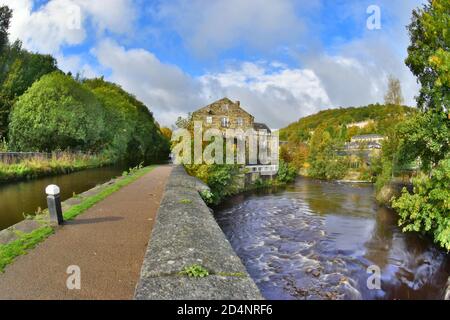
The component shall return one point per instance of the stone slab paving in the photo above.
(107, 242)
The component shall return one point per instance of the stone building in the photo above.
(226, 114)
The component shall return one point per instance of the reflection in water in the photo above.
(315, 240)
(27, 196)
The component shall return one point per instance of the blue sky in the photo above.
(283, 59)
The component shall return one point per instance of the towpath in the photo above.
(107, 243)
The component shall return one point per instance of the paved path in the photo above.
(107, 242)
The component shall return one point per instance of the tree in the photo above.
(23, 69)
(132, 133)
(167, 132)
(57, 113)
(427, 135)
(5, 18)
(394, 93)
(429, 54)
(428, 208)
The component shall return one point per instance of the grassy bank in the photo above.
(25, 242)
(41, 166)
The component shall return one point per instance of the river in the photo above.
(27, 196)
(316, 239)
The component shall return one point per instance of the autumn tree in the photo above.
(394, 92)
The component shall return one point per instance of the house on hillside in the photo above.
(361, 124)
(226, 114)
(368, 138)
(365, 142)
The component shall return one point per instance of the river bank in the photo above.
(39, 166)
(19, 238)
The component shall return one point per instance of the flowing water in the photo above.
(316, 240)
(27, 196)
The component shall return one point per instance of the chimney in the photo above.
(238, 103)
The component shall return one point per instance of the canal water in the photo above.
(316, 240)
(19, 198)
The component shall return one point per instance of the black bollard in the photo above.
(54, 204)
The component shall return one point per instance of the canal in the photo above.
(316, 240)
(19, 198)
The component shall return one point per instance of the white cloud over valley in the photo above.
(352, 73)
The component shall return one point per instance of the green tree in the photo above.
(132, 133)
(428, 208)
(57, 113)
(429, 55)
(323, 159)
(23, 69)
(427, 135)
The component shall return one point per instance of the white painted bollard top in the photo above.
(52, 190)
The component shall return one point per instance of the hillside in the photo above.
(336, 121)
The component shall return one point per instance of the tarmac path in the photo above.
(107, 242)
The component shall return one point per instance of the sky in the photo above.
(283, 59)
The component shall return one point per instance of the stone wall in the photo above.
(186, 234)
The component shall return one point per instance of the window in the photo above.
(240, 121)
(224, 122)
(209, 120)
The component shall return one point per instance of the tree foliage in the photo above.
(429, 54)
(383, 117)
(427, 209)
(57, 113)
(132, 132)
(19, 69)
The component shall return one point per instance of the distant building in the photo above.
(368, 138)
(365, 142)
(361, 124)
(226, 114)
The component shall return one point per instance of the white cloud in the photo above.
(45, 30)
(165, 88)
(64, 22)
(76, 64)
(210, 26)
(275, 96)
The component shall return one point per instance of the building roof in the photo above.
(222, 101)
(261, 126)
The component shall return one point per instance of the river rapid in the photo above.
(317, 239)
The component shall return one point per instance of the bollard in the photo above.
(54, 204)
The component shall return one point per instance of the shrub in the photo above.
(286, 172)
(57, 113)
(428, 208)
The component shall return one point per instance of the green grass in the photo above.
(9, 252)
